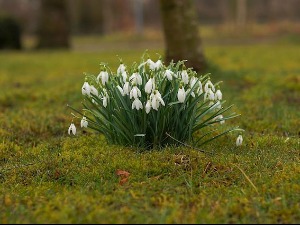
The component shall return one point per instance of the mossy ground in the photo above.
(47, 176)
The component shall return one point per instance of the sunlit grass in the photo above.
(48, 177)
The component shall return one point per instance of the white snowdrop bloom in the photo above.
(121, 69)
(209, 85)
(124, 75)
(220, 117)
(103, 76)
(136, 78)
(169, 74)
(84, 122)
(94, 91)
(181, 95)
(188, 91)
(199, 89)
(156, 100)
(218, 95)
(126, 88)
(121, 90)
(193, 81)
(158, 64)
(86, 89)
(239, 140)
(150, 86)
(148, 106)
(151, 64)
(185, 77)
(135, 92)
(72, 129)
(209, 95)
(137, 104)
(105, 100)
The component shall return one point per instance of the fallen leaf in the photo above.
(124, 176)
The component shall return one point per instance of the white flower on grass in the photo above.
(181, 95)
(137, 104)
(185, 77)
(103, 75)
(124, 75)
(136, 78)
(209, 85)
(156, 100)
(151, 64)
(169, 74)
(158, 64)
(209, 95)
(126, 88)
(84, 122)
(150, 86)
(220, 118)
(121, 90)
(135, 92)
(193, 81)
(86, 89)
(218, 95)
(94, 91)
(72, 129)
(239, 140)
(121, 69)
(200, 89)
(148, 106)
(105, 100)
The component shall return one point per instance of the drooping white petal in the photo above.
(103, 76)
(169, 74)
(105, 99)
(151, 64)
(239, 140)
(148, 106)
(72, 129)
(137, 104)
(209, 85)
(185, 77)
(158, 64)
(149, 87)
(181, 95)
(94, 91)
(121, 69)
(84, 122)
(126, 88)
(193, 81)
(135, 78)
(135, 92)
(218, 95)
(124, 75)
(86, 89)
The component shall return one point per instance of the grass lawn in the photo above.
(47, 176)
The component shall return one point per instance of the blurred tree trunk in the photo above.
(181, 33)
(53, 30)
(241, 13)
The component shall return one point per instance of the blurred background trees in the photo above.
(104, 17)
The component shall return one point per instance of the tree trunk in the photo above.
(53, 31)
(241, 13)
(181, 33)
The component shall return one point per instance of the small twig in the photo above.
(248, 179)
(15, 167)
(189, 146)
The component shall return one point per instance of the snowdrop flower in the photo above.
(158, 64)
(121, 90)
(239, 140)
(126, 88)
(209, 85)
(193, 81)
(185, 77)
(135, 92)
(209, 95)
(156, 100)
(105, 100)
(151, 64)
(199, 90)
(148, 106)
(136, 78)
(103, 75)
(218, 105)
(94, 91)
(137, 104)
(181, 95)
(121, 69)
(150, 86)
(84, 122)
(218, 95)
(86, 89)
(124, 75)
(220, 118)
(72, 129)
(169, 74)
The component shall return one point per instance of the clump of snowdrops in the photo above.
(152, 105)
